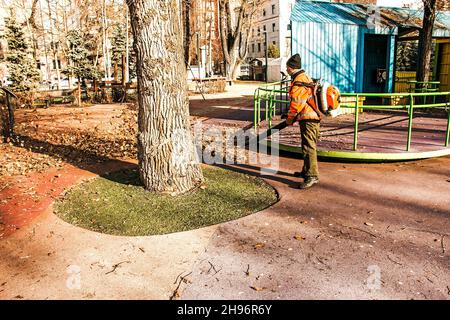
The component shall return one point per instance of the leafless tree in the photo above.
(236, 21)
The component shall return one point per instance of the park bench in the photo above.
(50, 98)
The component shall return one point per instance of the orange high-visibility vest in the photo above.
(302, 99)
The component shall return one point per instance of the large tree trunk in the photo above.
(124, 70)
(425, 41)
(32, 28)
(166, 151)
(235, 69)
(54, 47)
(7, 117)
(79, 92)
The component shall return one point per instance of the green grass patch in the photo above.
(118, 204)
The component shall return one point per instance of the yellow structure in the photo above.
(444, 64)
(401, 80)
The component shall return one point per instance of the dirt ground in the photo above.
(366, 231)
(378, 231)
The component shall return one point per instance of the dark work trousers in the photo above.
(309, 130)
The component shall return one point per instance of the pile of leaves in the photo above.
(79, 137)
(15, 160)
(36, 149)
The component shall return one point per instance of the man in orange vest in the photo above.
(304, 110)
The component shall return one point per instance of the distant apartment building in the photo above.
(273, 19)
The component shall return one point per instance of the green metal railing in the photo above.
(270, 95)
(410, 106)
(424, 87)
(273, 95)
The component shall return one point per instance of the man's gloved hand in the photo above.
(290, 121)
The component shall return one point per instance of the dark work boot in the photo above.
(299, 174)
(309, 182)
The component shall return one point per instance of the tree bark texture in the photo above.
(425, 41)
(7, 116)
(187, 31)
(166, 151)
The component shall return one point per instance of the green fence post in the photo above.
(259, 108)
(255, 108)
(411, 112)
(281, 97)
(355, 137)
(275, 105)
(447, 134)
(269, 110)
(287, 95)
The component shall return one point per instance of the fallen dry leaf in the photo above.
(259, 245)
(258, 288)
(299, 237)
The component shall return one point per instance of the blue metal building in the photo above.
(353, 46)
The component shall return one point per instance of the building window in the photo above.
(274, 43)
(259, 47)
(54, 45)
(273, 27)
(264, 27)
(259, 31)
(264, 12)
(253, 47)
(289, 27)
(54, 64)
(273, 9)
